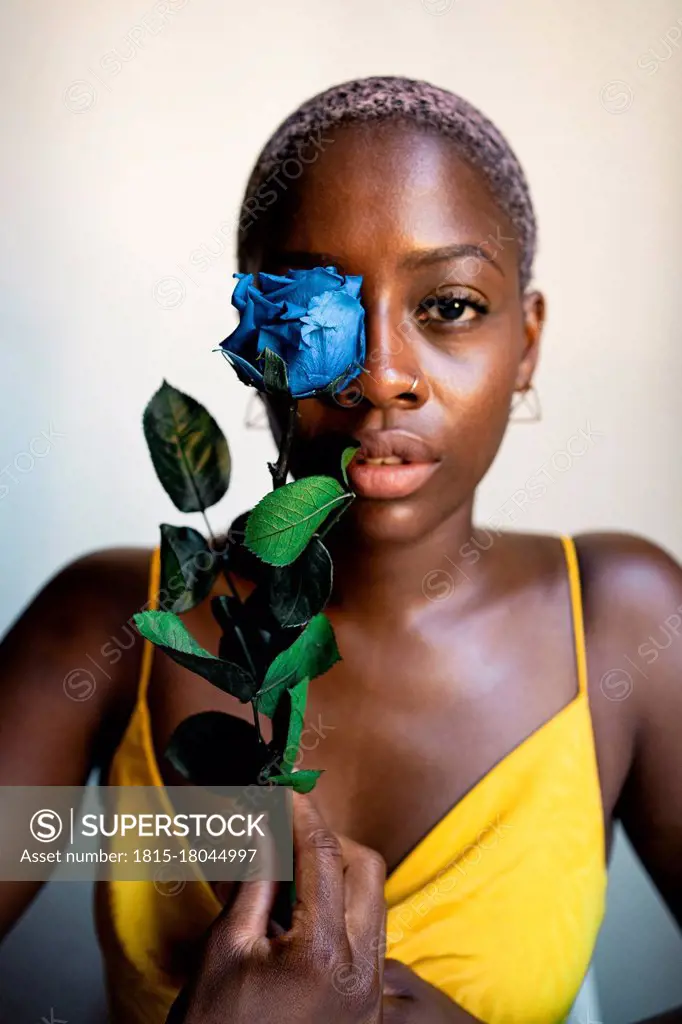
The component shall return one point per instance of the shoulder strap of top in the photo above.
(576, 611)
(152, 603)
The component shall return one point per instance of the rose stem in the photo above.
(281, 468)
(224, 569)
(208, 525)
(335, 516)
(256, 722)
(239, 634)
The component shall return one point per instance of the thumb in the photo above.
(245, 919)
(235, 933)
(244, 924)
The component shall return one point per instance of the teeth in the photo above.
(389, 460)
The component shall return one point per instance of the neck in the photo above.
(372, 575)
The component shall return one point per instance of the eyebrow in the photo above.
(413, 260)
(424, 257)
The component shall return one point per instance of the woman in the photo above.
(466, 740)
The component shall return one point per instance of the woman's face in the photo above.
(449, 335)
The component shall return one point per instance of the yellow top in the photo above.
(499, 905)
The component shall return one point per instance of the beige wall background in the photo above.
(129, 130)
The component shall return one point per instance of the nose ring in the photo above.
(414, 383)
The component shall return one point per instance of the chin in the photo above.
(377, 521)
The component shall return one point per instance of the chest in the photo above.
(408, 723)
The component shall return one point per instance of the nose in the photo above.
(391, 376)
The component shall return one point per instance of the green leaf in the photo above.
(169, 633)
(242, 561)
(301, 782)
(311, 654)
(298, 696)
(297, 592)
(213, 748)
(275, 373)
(346, 457)
(189, 451)
(188, 567)
(280, 526)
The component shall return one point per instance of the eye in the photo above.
(453, 306)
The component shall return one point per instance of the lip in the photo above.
(392, 481)
(379, 444)
(389, 481)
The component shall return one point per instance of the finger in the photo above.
(275, 930)
(403, 987)
(399, 993)
(396, 1011)
(248, 915)
(319, 912)
(244, 925)
(365, 904)
(263, 866)
(226, 892)
(400, 981)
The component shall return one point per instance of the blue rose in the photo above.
(312, 319)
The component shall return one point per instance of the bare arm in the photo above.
(651, 804)
(57, 722)
(641, 590)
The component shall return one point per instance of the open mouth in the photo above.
(388, 460)
(391, 464)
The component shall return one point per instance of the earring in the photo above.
(525, 406)
(255, 417)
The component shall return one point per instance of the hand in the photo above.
(408, 999)
(327, 967)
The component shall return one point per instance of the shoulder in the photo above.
(632, 598)
(104, 588)
(99, 589)
(105, 573)
(628, 578)
(83, 607)
(74, 640)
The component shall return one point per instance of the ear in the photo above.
(533, 321)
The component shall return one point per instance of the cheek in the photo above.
(478, 378)
(478, 365)
(318, 417)
(474, 388)
(313, 418)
